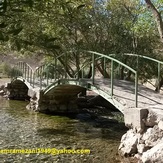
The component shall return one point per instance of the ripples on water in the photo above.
(22, 129)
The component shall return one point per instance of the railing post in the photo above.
(112, 77)
(25, 69)
(136, 89)
(28, 74)
(47, 77)
(82, 72)
(104, 67)
(40, 78)
(119, 66)
(159, 69)
(136, 82)
(22, 69)
(33, 76)
(55, 73)
(18, 72)
(66, 67)
(93, 68)
(137, 67)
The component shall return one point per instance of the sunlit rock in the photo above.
(160, 125)
(154, 154)
(128, 143)
(151, 119)
(152, 136)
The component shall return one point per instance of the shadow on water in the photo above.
(69, 124)
(92, 126)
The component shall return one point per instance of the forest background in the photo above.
(44, 29)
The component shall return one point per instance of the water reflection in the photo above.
(20, 128)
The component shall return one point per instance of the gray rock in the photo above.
(151, 119)
(129, 143)
(152, 136)
(141, 148)
(155, 154)
(160, 125)
(2, 92)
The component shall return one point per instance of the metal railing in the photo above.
(24, 70)
(50, 73)
(159, 63)
(93, 57)
(113, 60)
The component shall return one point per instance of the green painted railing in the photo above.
(47, 74)
(113, 60)
(41, 77)
(94, 56)
(159, 63)
(24, 70)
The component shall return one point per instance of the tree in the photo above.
(159, 21)
(157, 16)
(60, 26)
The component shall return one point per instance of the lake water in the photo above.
(23, 129)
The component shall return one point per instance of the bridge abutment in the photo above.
(134, 118)
(144, 139)
(17, 91)
(51, 103)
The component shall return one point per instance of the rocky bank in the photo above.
(145, 144)
(3, 89)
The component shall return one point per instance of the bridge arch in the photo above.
(18, 89)
(81, 87)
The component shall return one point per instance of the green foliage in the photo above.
(8, 71)
(14, 72)
(55, 27)
(118, 116)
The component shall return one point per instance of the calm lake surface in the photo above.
(23, 129)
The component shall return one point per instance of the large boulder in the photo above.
(155, 154)
(151, 119)
(152, 136)
(129, 142)
(160, 125)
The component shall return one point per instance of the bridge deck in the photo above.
(124, 92)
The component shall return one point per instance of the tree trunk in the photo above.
(67, 68)
(89, 75)
(158, 85)
(102, 71)
(159, 21)
(122, 73)
(157, 16)
(128, 78)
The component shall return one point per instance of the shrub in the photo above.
(8, 71)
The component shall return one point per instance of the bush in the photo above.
(8, 71)
(15, 72)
